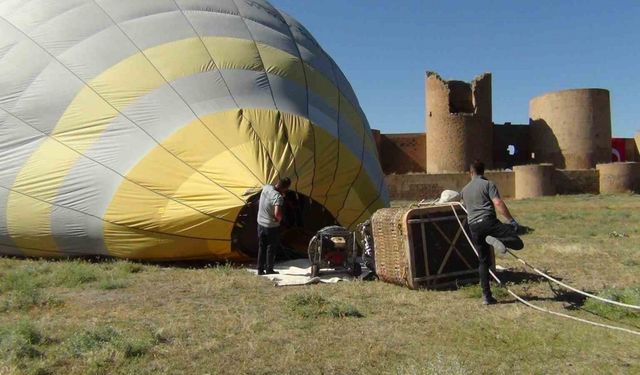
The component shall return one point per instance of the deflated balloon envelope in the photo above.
(144, 129)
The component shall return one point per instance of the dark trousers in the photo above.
(503, 232)
(268, 246)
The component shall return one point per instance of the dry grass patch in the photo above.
(127, 318)
(313, 306)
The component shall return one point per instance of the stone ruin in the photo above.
(568, 130)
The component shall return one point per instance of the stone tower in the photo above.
(571, 128)
(459, 123)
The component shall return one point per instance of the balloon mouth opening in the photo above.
(303, 217)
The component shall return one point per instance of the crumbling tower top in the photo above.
(471, 98)
(459, 123)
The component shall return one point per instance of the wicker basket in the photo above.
(422, 247)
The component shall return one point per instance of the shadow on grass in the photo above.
(506, 276)
(575, 300)
(603, 310)
(519, 277)
(523, 230)
(578, 302)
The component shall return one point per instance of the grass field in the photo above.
(117, 317)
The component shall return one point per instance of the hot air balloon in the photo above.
(145, 129)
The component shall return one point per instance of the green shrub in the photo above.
(90, 343)
(344, 311)
(20, 341)
(315, 306)
(74, 273)
(23, 290)
(129, 267)
(629, 296)
(307, 305)
(19, 279)
(91, 339)
(135, 347)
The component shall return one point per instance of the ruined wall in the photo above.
(572, 128)
(619, 177)
(536, 180)
(428, 186)
(577, 181)
(510, 134)
(459, 123)
(403, 153)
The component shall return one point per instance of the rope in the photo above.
(522, 300)
(586, 294)
(525, 302)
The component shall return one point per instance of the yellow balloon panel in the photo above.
(301, 136)
(194, 207)
(133, 244)
(361, 196)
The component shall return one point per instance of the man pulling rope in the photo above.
(482, 199)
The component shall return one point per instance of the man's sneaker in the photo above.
(261, 273)
(272, 272)
(489, 300)
(496, 244)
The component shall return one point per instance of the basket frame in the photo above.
(413, 225)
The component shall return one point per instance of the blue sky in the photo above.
(531, 47)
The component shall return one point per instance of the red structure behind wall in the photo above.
(624, 149)
(618, 151)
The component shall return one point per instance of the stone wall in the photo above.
(619, 177)
(406, 152)
(577, 181)
(534, 180)
(403, 153)
(419, 186)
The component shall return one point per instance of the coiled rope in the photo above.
(529, 304)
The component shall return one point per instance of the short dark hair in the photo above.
(477, 167)
(284, 183)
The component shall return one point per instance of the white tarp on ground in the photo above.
(298, 272)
